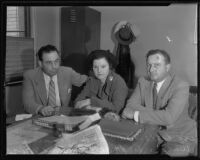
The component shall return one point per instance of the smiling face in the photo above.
(50, 63)
(157, 69)
(101, 69)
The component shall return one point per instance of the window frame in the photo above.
(27, 22)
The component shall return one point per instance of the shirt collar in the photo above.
(159, 84)
(47, 78)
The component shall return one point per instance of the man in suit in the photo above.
(47, 89)
(162, 99)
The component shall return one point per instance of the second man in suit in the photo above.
(162, 99)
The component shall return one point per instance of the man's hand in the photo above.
(47, 111)
(83, 103)
(128, 113)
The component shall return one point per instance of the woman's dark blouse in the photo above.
(112, 95)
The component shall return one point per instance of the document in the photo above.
(21, 148)
(20, 117)
(23, 132)
(88, 141)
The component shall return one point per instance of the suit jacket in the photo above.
(112, 96)
(171, 111)
(34, 92)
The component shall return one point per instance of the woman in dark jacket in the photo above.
(104, 88)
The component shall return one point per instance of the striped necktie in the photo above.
(154, 95)
(52, 94)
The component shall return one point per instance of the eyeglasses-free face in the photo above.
(50, 63)
(101, 69)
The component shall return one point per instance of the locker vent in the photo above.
(73, 15)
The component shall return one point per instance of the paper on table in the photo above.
(21, 148)
(88, 141)
(26, 131)
(19, 117)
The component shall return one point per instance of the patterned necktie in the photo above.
(154, 95)
(52, 94)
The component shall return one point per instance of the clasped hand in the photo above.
(47, 110)
(112, 116)
(128, 113)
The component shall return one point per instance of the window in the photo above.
(19, 44)
(18, 21)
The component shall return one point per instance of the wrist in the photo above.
(39, 108)
(136, 116)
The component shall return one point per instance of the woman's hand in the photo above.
(83, 103)
(112, 116)
(128, 113)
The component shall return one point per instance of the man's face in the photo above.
(50, 63)
(157, 69)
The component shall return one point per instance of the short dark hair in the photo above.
(46, 49)
(159, 51)
(97, 54)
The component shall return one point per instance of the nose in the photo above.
(54, 65)
(98, 70)
(151, 68)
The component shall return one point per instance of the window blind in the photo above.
(16, 21)
(19, 57)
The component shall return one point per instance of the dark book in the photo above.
(43, 144)
(123, 129)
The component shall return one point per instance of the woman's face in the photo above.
(101, 69)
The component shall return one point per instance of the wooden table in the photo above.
(42, 139)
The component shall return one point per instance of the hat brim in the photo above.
(124, 42)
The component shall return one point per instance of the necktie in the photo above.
(154, 95)
(52, 94)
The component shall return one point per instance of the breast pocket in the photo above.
(69, 90)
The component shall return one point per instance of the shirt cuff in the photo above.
(136, 116)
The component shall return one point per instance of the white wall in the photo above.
(45, 24)
(155, 24)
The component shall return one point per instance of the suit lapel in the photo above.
(162, 91)
(149, 94)
(61, 87)
(40, 85)
(109, 83)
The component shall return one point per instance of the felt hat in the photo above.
(126, 33)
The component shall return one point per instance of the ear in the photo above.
(168, 67)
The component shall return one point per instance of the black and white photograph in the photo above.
(100, 78)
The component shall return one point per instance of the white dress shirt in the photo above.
(136, 113)
(159, 85)
(47, 82)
